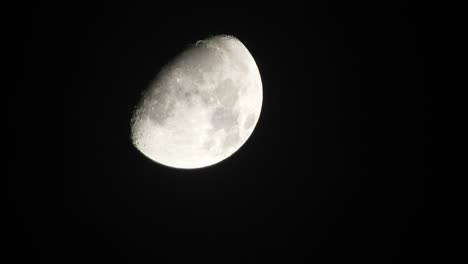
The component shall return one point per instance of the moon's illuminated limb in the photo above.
(202, 106)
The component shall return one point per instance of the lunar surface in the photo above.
(201, 107)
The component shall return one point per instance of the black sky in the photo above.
(336, 168)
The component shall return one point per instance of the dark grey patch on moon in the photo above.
(188, 95)
(231, 140)
(193, 63)
(250, 121)
(206, 98)
(197, 60)
(227, 92)
(161, 104)
(208, 144)
(224, 118)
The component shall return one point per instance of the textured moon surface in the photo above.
(201, 107)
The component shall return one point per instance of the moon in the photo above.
(201, 107)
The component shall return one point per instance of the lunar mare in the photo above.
(201, 107)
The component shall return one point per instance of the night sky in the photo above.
(335, 169)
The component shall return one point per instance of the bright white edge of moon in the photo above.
(201, 107)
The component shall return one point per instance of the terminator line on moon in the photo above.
(201, 107)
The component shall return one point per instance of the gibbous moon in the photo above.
(201, 107)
